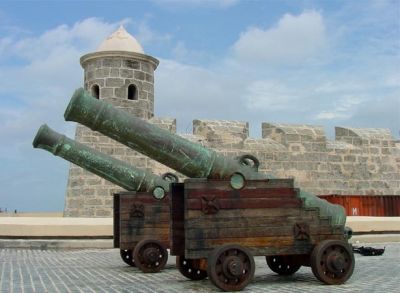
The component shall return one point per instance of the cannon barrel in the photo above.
(186, 157)
(107, 167)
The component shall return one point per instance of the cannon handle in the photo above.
(170, 177)
(249, 160)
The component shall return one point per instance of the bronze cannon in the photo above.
(227, 212)
(186, 157)
(140, 214)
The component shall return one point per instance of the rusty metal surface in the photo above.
(332, 262)
(367, 205)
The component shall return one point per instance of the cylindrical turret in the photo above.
(109, 168)
(188, 158)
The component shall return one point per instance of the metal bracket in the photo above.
(137, 211)
(301, 231)
(209, 206)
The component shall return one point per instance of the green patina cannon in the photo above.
(188, 158)
(140, 218)
(227, 212)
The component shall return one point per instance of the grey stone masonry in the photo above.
(318, 165)
(112, 72)
(357, 162)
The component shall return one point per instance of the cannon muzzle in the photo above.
(186, 157)
(109, 168)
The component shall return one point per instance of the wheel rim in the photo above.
(127, 256)
(332, 262)
(189, 268)
(231, 267)
(150, 256)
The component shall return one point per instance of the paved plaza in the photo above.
(102, 270)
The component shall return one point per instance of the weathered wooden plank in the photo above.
(131, 244)
(273, 241)
(152, 225)
(225, 184)
(244, 193)
(251, 232)
(144, 231)
(139, 205)
(149, 199)
(239, 203)
(244, 222)
(301, 250)
(147, 215)
(193, 214)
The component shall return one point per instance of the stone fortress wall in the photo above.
(357, 162)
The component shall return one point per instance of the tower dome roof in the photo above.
(120, 40)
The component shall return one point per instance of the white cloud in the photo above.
(146, 35)
(36, 89)
(269, 95)
(293, 39)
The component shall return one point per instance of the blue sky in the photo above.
(330, 63)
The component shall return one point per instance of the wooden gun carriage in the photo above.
(217, 229)
(141, 229)
(219, 223)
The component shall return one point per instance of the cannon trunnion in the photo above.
(217, 229)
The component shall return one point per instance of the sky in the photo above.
(330, 63)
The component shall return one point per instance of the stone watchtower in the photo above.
(120, 73)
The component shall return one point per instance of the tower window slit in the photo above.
(96, 91)
(132, 92)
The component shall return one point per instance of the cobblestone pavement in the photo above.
(103, 271)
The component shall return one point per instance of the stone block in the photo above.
(112, 62)
(131, 64)
(114, 72)
(149, 78)
(140, 75)
(75, 203)
(147, 87)
(146, 67)
(126, 73)
(106, 92)
(349, 158)
(114, 82)
(102, 72)
(93, 201)
(103, 213)
(88, 192)
(121, 92)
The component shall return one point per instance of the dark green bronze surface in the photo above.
(191, 159)
(109, 168)
(188, 158)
